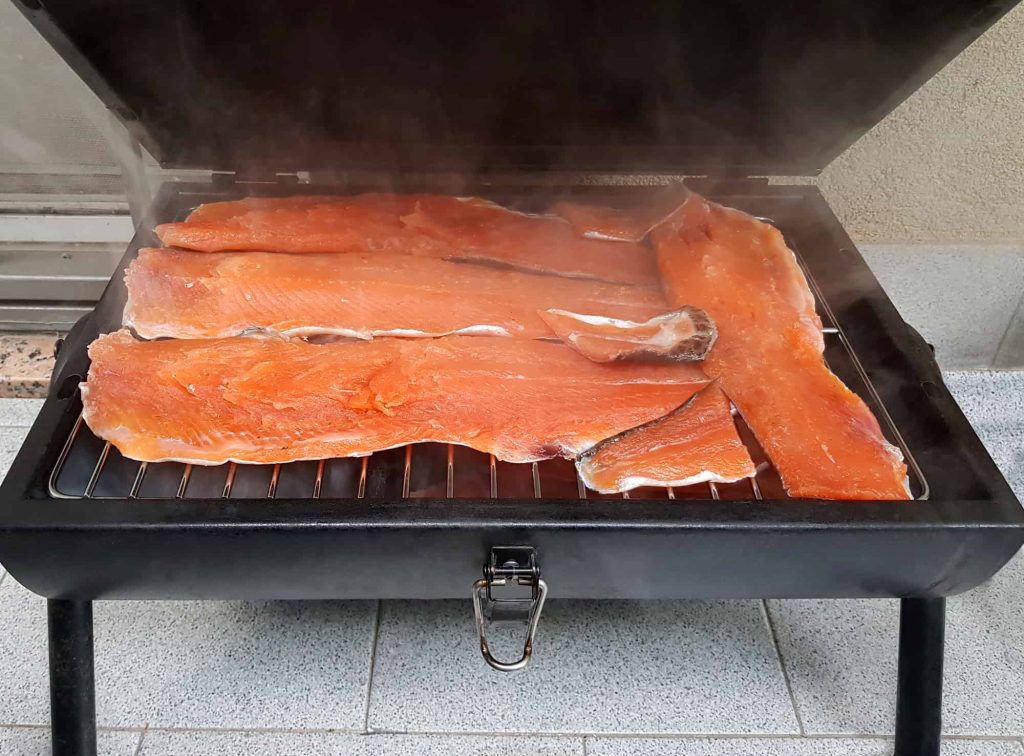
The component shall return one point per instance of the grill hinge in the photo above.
(226, 179)
(509, 569)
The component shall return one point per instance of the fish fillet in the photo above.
(203, 295)
(822, 438)
(623, 224)
(426, 225)
(682, 335)
(694, 443)
(268, 400)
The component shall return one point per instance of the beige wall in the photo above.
(948, 164)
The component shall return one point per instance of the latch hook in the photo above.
(515, 565)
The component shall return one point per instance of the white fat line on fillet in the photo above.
(662, 338)
(147, 332)
(608, 237)
(628, 484)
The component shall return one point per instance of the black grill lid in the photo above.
(719, 87)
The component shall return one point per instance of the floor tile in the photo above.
(162, 743)
(841, 659)
(35, 741)
(993, 401)
(24, 692)
(19, 412)
(10, 443)
(200, 664)
(985, 657)
(612, 666)
(781, 747)
(965, 329)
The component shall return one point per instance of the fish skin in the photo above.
(270, 400)
(450, 228)
(695, 443)
(821, 437)
(631, 224)
(182, 294)
(685, 334)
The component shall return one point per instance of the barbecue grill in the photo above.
(524, 106)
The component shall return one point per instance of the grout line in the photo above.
(99, 728)
(16, 726)
(510, 735)
(782, 666)
(971, 738)
(586, 750)
(867, 737)
(341, 732)
(739, 736)
(142, 737)
(373, 664)
(214, 730)
(1003, 358)
(584, 737)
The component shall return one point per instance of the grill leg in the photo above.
(919, 679)
(72, 687)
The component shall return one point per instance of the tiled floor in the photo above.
(610, 678)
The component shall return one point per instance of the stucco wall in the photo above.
(948, 164)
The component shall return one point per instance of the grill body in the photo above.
(964, 526)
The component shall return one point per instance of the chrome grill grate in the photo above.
(89, 468)
(92, 469)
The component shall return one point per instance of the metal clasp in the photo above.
(509, 565)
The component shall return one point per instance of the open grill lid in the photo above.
(717, 88)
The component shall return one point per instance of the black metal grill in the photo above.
(362, 527)
(634, 92)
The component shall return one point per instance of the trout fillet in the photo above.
(822, 438)
(427, 225)
(695, 443)
(206, 295)
(269, 400)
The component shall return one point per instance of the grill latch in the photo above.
(509, 568)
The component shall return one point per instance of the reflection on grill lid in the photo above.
(724, 87)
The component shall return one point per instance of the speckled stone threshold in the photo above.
(26, 362)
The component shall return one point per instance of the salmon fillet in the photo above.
(268, 400)
(450, 228)
(822, 438)
(695, 443)
(202, 295)
(631, 224)
(683, 335)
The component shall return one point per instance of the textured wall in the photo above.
(948, 164)
(45, 108)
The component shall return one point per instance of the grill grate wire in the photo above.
(90, 469)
